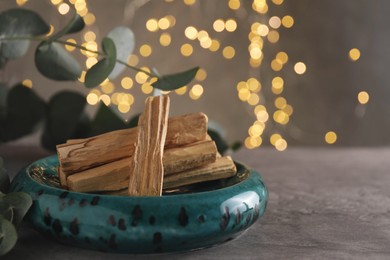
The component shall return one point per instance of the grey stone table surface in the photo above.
(323, 204)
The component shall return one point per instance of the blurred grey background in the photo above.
(321, 100)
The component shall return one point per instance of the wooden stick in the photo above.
(105, 177)
(223, 167)
(108, 177)
(147, 169)
(80, 154)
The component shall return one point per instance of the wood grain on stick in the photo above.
(146, 175)
(80, 154)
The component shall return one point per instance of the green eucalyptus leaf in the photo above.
(221, 144)
(6, 210)
(106, 120)
(123, 39)
(8, 236)
(3, 100)
(175, 81)
(19, 23)
(101, 70)
(24, 111)
(74, 25)
(133, 122)
(4, 179)
(54, 62)
(65, 110)
(235, 146)
(20, 203)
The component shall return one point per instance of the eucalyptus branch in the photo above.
(80, 47)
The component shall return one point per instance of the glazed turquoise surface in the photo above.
(141, 224)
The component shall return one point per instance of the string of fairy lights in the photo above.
(250, 90)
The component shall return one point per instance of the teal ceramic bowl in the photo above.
(193, 217)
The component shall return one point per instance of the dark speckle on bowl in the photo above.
(183, 217)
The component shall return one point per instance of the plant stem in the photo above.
(38, 38)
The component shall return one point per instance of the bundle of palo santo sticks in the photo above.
(160, 153)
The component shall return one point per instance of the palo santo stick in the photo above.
(146, 175)
(105, 177)
(223, 167)
(108, 177)
(80, 154)
(189, 156)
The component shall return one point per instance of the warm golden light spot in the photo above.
(133, 60)
(172, 20)
(181, 91)
(214, 45)
(197, 90)
(281, 145)
(253, 99)
(282, 57)
(145, 50)
(288, 109)
(108, 88)
(262, 30)
(260, 7)
(203, 36)
(274, 22)
(255, 63)
(89, 19)
(277, 85)
(89, 36)
(253, 84)
(146, 88)
(201, 75)
(191, 32)
(276, 65)
(262, 116)
(273, 36)
(219, 25)
(354, 54)
(92, 99)
(63, 8)
(206, 43)
(280, 102)
(165, 39)
(280, 117)
(56, 2)
(152, 25)
(141, 77)
(70, 47)
(27, 83)
(244, 94)
(255, 130)
(274, 138)
(163, 23)
(127, 83)
(363, 97)
(82, 12)
(248, 143)
(228, 52)
(189, 2)
(256, 53)
(234, 4)
(231, 25)
(123, 107)
(186, 49)
(259, 108)
(90, 62)
(21, 2)
(300, 68)
(92, 48)
(106, 99)
(287, 21)
(277, 2)
(242, 85)
(330, 137)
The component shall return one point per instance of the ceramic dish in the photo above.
(191, 218)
